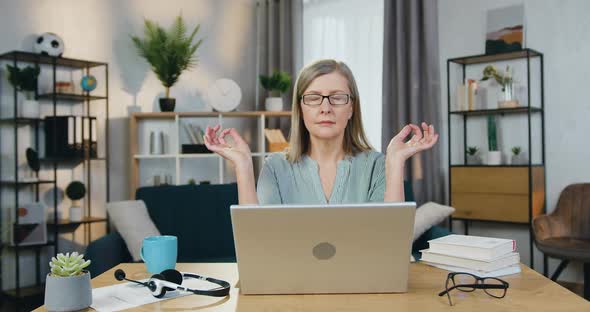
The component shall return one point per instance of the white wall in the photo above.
(560, 30)
(99, 30)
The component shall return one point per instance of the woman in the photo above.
(329, 159)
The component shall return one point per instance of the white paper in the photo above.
(130, 295)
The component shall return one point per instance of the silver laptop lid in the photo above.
(348, 248)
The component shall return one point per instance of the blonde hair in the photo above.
(355, 140)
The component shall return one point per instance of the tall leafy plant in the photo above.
(168, 52)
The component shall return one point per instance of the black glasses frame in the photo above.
(348, 97)
(480, 283)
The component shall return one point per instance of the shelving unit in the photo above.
(139, 154)
(50, 165)
(511, 194)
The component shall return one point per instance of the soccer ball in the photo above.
(49, 44)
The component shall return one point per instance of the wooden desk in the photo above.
(529, 291)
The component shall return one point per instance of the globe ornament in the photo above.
(49, 44)
(88, 83)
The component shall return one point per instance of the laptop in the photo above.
(314, 249)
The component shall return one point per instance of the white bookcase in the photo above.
(182, 167)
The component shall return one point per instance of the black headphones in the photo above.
(170, 280)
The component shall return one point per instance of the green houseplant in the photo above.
(506, 81)
(518, 157)
(494, 155)
(67, 286)
(169, 53)
(75, 191)
(276, 84)
(25, 80)
(472, 155)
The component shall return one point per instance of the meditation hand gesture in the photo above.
(238, 152)
(400, 150)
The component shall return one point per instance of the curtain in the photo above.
(411, 87)
(350, 31)
(279, 40)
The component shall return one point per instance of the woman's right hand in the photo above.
(238, 152)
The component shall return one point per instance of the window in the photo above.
(350, 31)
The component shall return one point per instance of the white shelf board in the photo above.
(198, 155)
(149, 156)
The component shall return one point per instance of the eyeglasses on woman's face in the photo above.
(317, 99)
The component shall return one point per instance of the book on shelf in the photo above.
(190, 133)
(472, 247)
(479, 265)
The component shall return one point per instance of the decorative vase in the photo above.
(68, 293)
(273, 104)
(75, 211)
(167, 104)
(494, 158)
(507, 97)
(29, 109)
(473, 160)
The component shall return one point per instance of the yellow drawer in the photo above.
(493, 207)
(501, 180)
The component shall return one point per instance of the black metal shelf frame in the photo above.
(16, 57)
(528, 110)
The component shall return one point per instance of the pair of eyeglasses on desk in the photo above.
(467, 282)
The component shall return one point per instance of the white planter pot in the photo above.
(273, 104)
(494, 158)
(29, 109)
(519, 160)
(75, 213)
(68, 293)
(473, 160)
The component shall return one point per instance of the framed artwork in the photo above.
(505, 29)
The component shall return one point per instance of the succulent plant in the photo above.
(516, 150)
(68, 264)
(472, 150)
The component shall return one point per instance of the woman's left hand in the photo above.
(422, 139)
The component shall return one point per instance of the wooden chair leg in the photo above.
(559, 269)
(587, 281)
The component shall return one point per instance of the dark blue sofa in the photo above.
(199, 216)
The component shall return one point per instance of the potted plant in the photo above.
(506, 81)
(76, 191)
(169, 53)
(25, 81)
(517, 156)
(472, 157)
(494, 155)
(67, 286)
(276, 84)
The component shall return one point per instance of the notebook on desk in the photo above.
(303, 249)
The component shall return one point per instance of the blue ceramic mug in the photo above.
(159, 252)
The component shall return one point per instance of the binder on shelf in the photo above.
(70, 136)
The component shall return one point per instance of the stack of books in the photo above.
(481, 256)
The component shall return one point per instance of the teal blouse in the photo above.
(359, 179)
